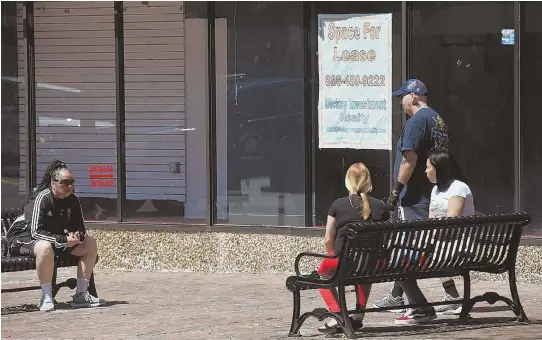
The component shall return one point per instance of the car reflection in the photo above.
(265, 133)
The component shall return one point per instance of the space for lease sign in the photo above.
(354, 60)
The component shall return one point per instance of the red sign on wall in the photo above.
(101, 175)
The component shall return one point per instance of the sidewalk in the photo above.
(167, 305)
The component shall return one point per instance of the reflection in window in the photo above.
(260, 133)
(165, 69)
(470, 78)
(531, 117)
(331, 164)
(75, 98)
(13, 106)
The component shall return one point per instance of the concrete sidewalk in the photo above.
(173, 305)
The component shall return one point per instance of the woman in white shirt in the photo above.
(449, 197)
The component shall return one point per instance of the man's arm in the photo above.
(413, 136)
(408, 164)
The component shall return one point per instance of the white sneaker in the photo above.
(390, 301)
(46, 303)
(84, 299)
(453, 309)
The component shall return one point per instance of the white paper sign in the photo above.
(354, 60)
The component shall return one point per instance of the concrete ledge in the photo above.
(239, 252)
(527, 240)
(242, 229)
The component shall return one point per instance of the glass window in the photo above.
(75, 98)
(13, 106)
(470, 78)
(165, 60)
(260, 114)
(330, 165)
(531, 118)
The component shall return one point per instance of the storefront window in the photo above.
(75, 98)
(260, 113)
(469, 73)
(165, 60)
(531, 117)
(13, 106)
(330, 165)
(261, 117)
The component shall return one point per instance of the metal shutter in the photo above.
(22, 97)
(75, 89)
(155, 99)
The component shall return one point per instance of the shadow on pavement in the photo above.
(490, 309)
(59, 306)
(443, 326)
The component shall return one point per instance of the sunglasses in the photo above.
(65, 182)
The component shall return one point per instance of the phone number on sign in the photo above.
(351, 80)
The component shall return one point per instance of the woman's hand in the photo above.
(80, 235)
(73, 239)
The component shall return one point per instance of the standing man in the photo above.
(423, 133)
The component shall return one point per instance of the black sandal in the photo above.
(356, 325)
(330, 329)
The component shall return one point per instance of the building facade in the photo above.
(205, 113)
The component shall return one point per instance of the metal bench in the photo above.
(375, 252)
(22, 263)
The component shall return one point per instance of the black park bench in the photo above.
(375, 252)
(21, 263)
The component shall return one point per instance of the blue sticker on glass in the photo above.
(507, 37)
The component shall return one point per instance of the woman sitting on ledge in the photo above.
(357, 206)
(52, 224)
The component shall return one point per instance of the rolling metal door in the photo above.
(75, 94)
(22, 97)
(75, 90)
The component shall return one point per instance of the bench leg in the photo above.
(92, 286)
(467, 303)
(294, 328)
(518, 309)
(347, 325)
(53, 284)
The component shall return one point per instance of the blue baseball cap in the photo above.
(411, 86)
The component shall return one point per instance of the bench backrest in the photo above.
(378, 251)
(9, 215)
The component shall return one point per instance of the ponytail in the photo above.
(365, 208)
(51, 172)
(358, 183)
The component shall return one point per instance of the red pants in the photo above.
(327, 268)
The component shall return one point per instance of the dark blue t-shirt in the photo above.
(424, 132)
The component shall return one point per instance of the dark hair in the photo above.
(443, 165)
(51, 172)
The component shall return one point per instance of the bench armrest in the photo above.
(298, 258)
